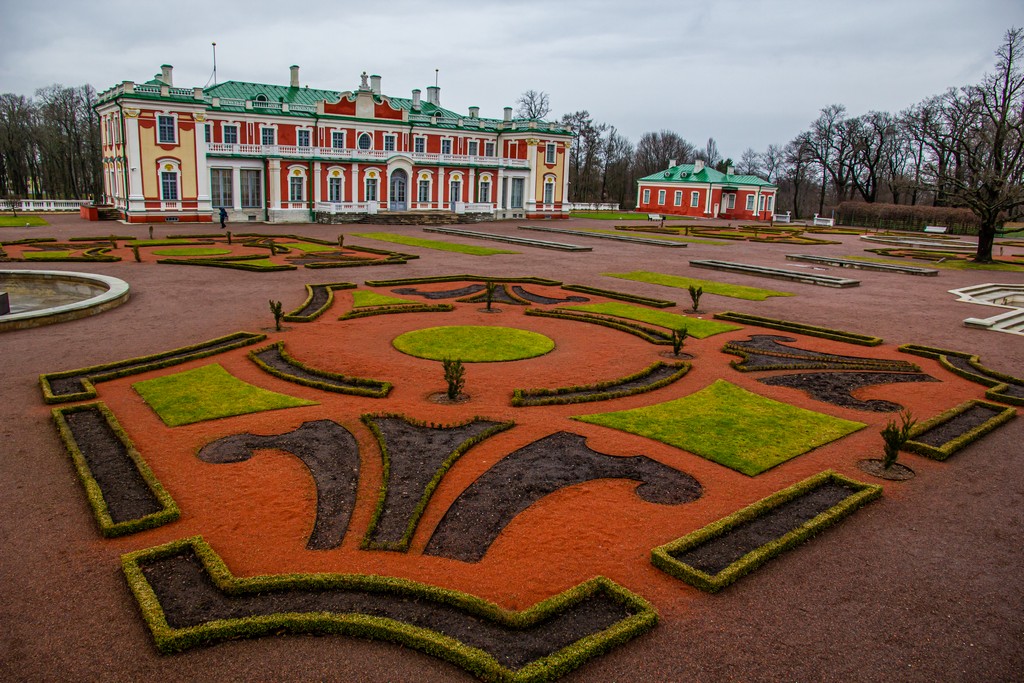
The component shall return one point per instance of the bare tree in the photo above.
(617, 181)
(750, 163)
(986, 135)
(710, 154)
(654, 151)
(533, 104)
(799, 157)
(585, 155)
(771, 162)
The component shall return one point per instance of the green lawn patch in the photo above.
(192, 251)
(362, 298)
(710, 287)
(473, 343)
(308, 247)
(159, 243)
(695, 327)
(432, 244)
(21, 221)
(659, 236)
(954, 263)
(731, 426)
(45, 255)
(208, 393)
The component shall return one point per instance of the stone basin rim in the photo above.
(117, 293)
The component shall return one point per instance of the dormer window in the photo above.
(261, 98)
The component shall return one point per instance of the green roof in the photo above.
(684, 173)
(241, 90)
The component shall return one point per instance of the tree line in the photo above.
(50, 144)
(962, 148)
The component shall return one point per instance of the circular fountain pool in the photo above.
(42, 297)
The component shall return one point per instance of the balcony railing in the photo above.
(43, 204)
(348, 207)
(348, 154)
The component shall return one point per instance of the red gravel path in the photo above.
(922, 585)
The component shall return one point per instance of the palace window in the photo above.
(732, 201)
(169, 186)
(679, 198)
(488, 149)
(296, 188)
(365, 141)
(302, 138)
(760, 204)
(549, 190)
(230, 134)
(166, 130)
(647, 197)
(550, 153)
(661, 196)
(335, 189)
(419, 145)
(389, 143)
(221, 188)
(455, 191)
(474, 148)
(516, 200)
(484, 195)
(338, 139)
(206, 132)
(771, 203)
(268, 136)
(371, 189)
(695, 198)
(750, 202)
(446, 146)
(252, 188)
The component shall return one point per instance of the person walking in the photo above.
(223, 218)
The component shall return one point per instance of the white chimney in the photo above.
(508, 113)
(671, 163)
(375, 84)
(293, 82)
(474, 112)
(434, 95)
(416, 99)
(698, 165)
(729, 170)
(167, 74)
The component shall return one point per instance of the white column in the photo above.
(275, 184)
(136, 200)
(441, 188)
(236, 188)
(471, 190)
(355, 183)
(203, 203)
(565, 179)
(316, 182)
(498, 194)
(531, 189)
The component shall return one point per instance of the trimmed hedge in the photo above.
(1002, 416)
(648, 334)
(998, 382)
(461, 278)
(133, 366)
(904, 217)
(621, 296)
(169, 511)
(371, 311)
(296, 317)
(800, 328)
(361, 386)
(477, 662)
(236, 262)
(402, 544)
(822, 362)
(603, 391)
(661, 557)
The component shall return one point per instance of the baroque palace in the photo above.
(293, 153)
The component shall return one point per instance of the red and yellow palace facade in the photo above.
(297, 154)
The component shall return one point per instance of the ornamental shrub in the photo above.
(895, 436)
(491, 286)
(695, 294)
(455, 376)
(275, 308)
(678, 336)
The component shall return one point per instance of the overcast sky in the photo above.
(747, 72)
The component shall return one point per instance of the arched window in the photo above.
(455, 188)
(549, 189)
(371, 186)
(297, 184)
(423, 188)
(261, 98)
(483, 194)
(335, 185)
(170, 180)
(365, 141)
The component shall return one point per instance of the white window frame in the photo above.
(549, 189)
(335, 186)
(225, 128)
(646, 196)
(263, 136)
(371, 183)
(421, 184)
(446, 143)
(771, 202)
(174, 171)
(750, 202)
(298, 137)
(217, 201)
(694, 199)
(473, 148)
(455, 189)
(207, 132)
(419, 144)
(364, 136)
(390, 142)
(760, 204)
(489, 148)
(160, 129)
(732, 201)
(482, 196)
(245, 203)
(678, 198)
(661, 197)
(551, 154)
(336, 136)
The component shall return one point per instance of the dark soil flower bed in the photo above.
(837, 387)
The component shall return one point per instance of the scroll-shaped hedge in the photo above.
(652, 377)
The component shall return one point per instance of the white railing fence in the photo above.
(43, 204)
(584, 206)
(348, 207)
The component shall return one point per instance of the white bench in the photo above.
(654, 217)
(941, 229)
(827, 222)
(781, 217)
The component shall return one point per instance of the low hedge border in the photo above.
(236, 262)
(370, 311)
(296, 316)
(361, 386)
(662, 559)
(548, 397)
(481, 297)
(402, 544)
(648, 334)
(621, 296)
(947, 449)
(799, 328)
(823, 362)
(477, 662)
(94, 493)
(461, 278)
(393, 258)
(101, 373)
(998, 382)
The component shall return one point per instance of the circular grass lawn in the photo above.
(473, 343)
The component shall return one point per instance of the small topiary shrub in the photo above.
(695, 294)
(275, 308)
(678, 336)
(454, 376)
(490, 287)
(895, 437)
